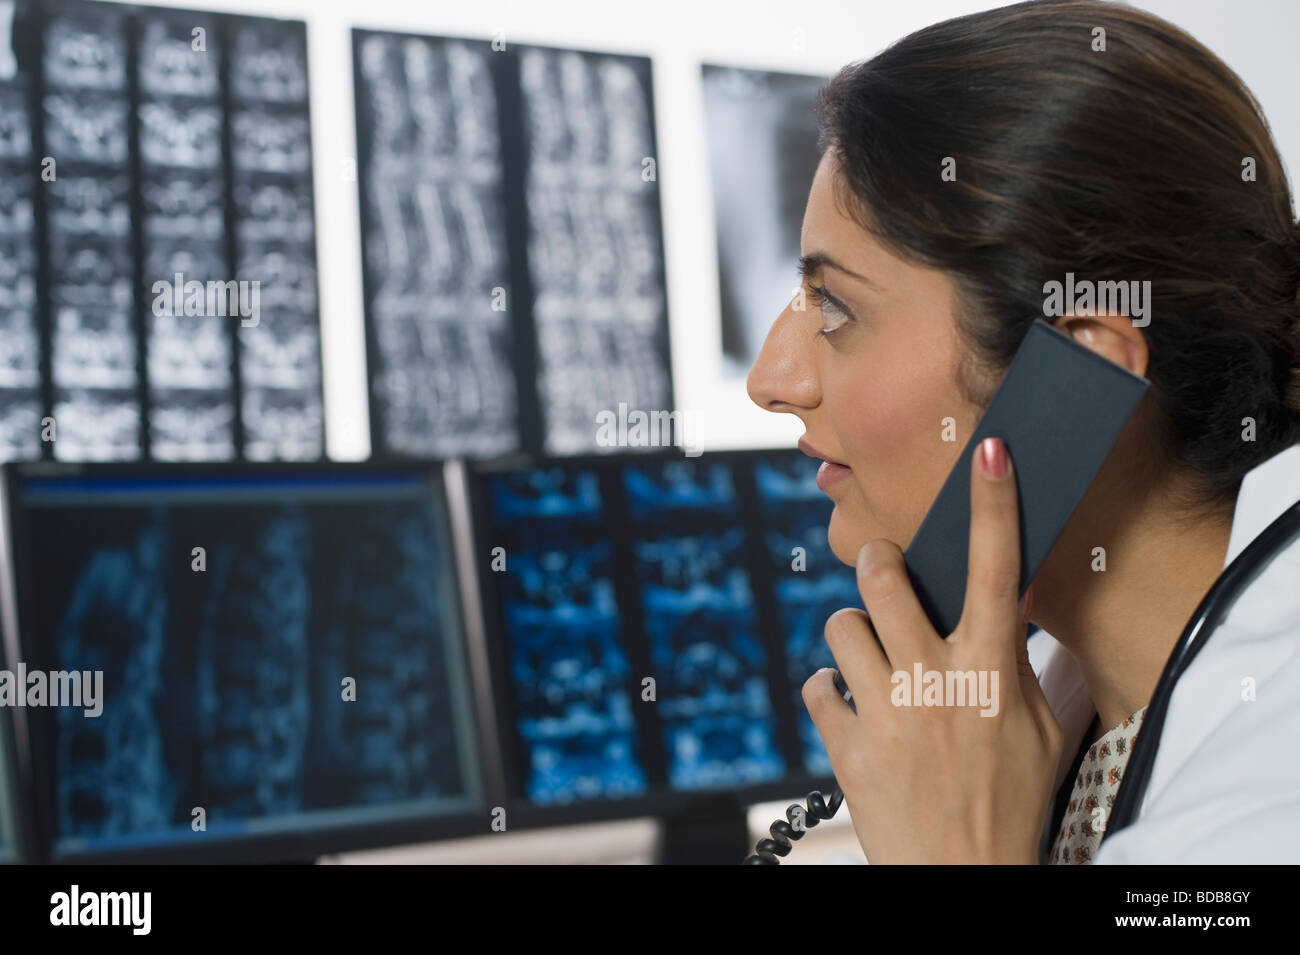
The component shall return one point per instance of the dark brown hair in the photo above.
(1117, 165)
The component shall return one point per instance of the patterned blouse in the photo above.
(1094, 794)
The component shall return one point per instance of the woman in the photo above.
(964, 170)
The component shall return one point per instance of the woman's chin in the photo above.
(844, 543)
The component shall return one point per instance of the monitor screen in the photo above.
(689, 547)
(653, 623)
(570, 672)
(809, 581)
(265, 655)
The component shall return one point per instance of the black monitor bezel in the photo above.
(659, 801)
(21, 835)
(303, 846)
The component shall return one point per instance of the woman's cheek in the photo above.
(884, 436)
(900, 458)
(874, 448)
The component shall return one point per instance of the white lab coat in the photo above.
(1225, 786)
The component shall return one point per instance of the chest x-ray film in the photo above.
(762, 136)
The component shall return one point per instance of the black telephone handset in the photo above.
(1060, 409)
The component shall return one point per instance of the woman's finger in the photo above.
(858, 655)
(990, 611)
(900, 623)
(829, 711)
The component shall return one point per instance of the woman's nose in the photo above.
(784, 377)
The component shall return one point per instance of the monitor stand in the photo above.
(708, 830)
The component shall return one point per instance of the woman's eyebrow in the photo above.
(810, 263)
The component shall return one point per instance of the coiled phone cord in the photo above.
(816, 808)
(783, 832)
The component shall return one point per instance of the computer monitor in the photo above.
(281, 653)
(650, 626)
(810, 582)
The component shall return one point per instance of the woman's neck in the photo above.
(1122, 622)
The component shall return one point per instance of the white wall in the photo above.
(1255, 37)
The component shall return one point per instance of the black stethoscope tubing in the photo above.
(1214, 606)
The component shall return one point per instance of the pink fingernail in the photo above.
(994, 454)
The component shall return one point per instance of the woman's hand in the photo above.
(947, 782)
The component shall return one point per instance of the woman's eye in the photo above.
(831, 311)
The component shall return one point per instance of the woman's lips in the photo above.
(830, 474)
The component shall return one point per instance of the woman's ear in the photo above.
(1112, 336)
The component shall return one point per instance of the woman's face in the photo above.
(877, 393)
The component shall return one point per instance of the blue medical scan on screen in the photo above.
(280, 654)
(690, 556)
(570, 673)
(811, 582)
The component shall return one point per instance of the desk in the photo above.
(625, 842)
